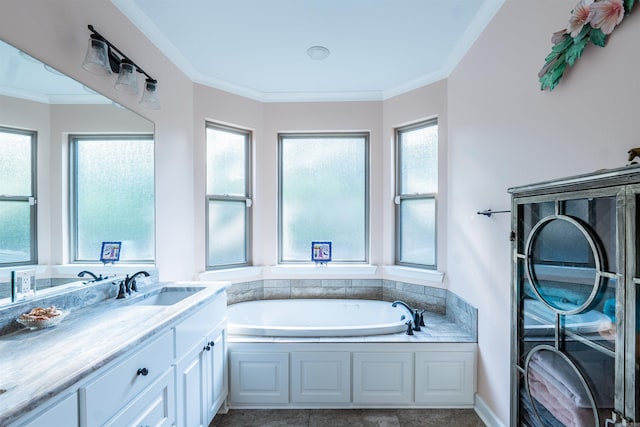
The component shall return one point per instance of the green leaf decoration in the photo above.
(598, 37)
(575, 50)
(569, 49)
(553, 74)
(628, 5)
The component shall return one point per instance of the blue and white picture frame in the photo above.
(110, 252)
(321, 252)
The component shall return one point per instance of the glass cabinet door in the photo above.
(567, 266)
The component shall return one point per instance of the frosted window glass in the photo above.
(228, 191)
(419, 161)
(115, 197)
(418, 231)
(227, 224)
(226, 162)
(324, 196)
(15, 173)
(15, 232)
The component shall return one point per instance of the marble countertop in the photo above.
(35, 365)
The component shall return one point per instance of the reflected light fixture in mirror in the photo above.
(103, 58)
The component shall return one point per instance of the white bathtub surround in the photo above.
(351, 374)
(434, 367)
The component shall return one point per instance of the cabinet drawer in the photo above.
(153, 408)
(191, 330)
(123, 382)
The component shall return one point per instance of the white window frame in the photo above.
(401, 197)
(226, 198)
(27, 198)
(73, 200)
(366, 189)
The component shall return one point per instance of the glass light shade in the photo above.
(96, 60)
(127, 81)
(150, 96)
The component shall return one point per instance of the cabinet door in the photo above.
(216, 384)
(259, 378)
(153, 407)
(382, 377)
(63, 413)
(191, 388)
(321, 376)
(445, 377)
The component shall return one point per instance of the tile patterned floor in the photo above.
(348, 418)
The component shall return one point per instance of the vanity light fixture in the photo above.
(103, 59)
(150, 95)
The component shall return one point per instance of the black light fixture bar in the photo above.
(124, 58)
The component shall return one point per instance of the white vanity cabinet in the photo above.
(129, 380)
(201, 364)
(173, 373)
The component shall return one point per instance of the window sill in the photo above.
(403, 273)
(240, 274)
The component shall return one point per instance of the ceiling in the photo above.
(22, 76)
(257, 48)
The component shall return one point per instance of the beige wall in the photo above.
(503, 132)
(498, 130)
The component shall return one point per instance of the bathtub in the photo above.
(315, 318)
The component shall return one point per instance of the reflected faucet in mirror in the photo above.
(95, 278)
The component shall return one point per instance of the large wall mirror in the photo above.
(77, 170)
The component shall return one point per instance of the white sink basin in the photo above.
(167, 295)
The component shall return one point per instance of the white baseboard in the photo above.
(486, 414)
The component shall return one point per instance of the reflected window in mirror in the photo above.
(17, 197)
(112, 196)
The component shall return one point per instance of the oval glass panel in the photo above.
(563, 264)
(556, 393)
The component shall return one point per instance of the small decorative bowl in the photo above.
(42, 323)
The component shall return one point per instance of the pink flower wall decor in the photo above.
(590, 21)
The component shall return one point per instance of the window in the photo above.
(323, 195)
(112, 196)
(17, 197)
(228, 196)
(416, 191)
